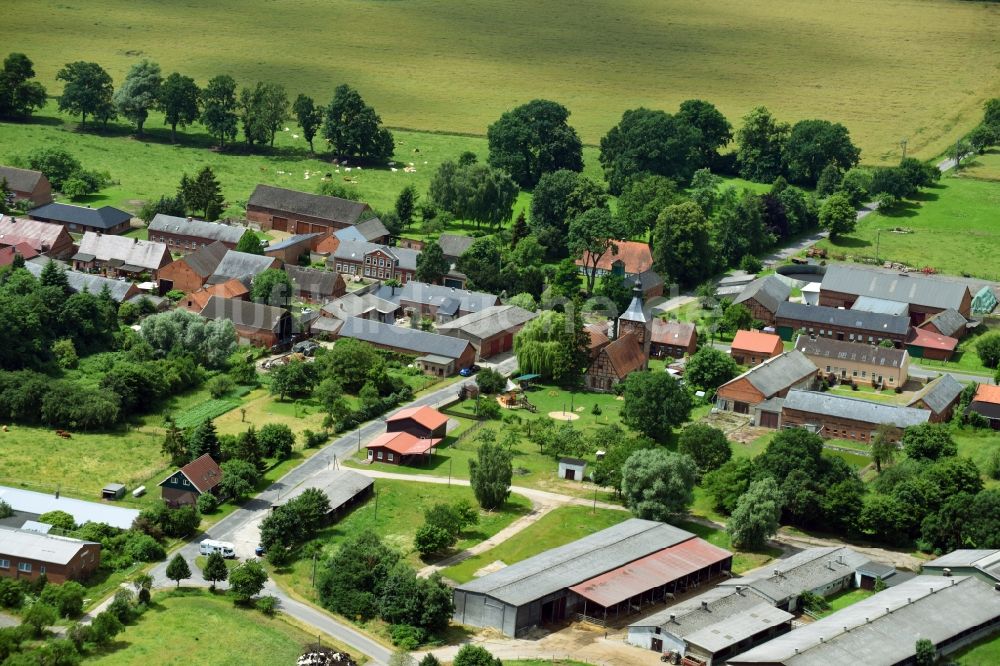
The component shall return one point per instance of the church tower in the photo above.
(637, 321)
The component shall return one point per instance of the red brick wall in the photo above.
(182, 276)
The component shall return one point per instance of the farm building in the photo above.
(316, 286)
(191, 272)
(440, 355)
(709, 628)
(614, 362)
(27, 185)
(673, 338)
(363, 306)
(184, 487)
(256, 324)
(120, 290)
(423, 421)
(939, 397)
(49, 239)
(443, 304)
(849, 361)
(626, 258)
(80, 219)
(949, 612)
(241, 266)
(454, 246)
(925, 343)
(296, 212)
(290, 250)
(9, 252)
(120, 256)
(376, 262)
(848, 325)
(491, 330)
(197, 300)
(343, 487)
(29, 505)
(400, 448)
(926, 295)
(763, 296)
(184, 235)
(606, 574)
(572, 469)
(839, 417)
(984, 564)
(947, 322)
(986, 403)
(26, 555)
(773, 378)
(753, 347)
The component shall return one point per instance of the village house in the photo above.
(256, 324)
(649, 282)
(948, 323)
(572, 469)
(241, 266)
(925, 295)
(831, 322)
(9, 253)
(376, 262)
(773, 378)
(120, 290)
(491, 330)
(293, 249)
(925, 343)
(627, 259)
(440, 303)
(362, 306)
(314, 285)
(184, 487)
(26, 555)
(424, 422)
(52, 240)
(27, 185)
(191, 272)
(184, 235)
(196, 301)
(986, 403)
(440, 355)
(754, 347)
(120, 256)
(614, 362)
(838, 361)
(939, 397)
(840, 417)
(762, 298)
(453, 246)
(400, 448)
(598, 334)
(79, 219)
(296, 212)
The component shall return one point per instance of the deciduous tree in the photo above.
(178, 569)
(309, 117)
(139, 92)
(272, 287)
(533, 139)
(707, 446)
(760, 143)
(592, 234)
(219, 106)
(180, 101)
(215, 569)
(837, 215)
(238, 478)
(247, 580)
(19, 95)
(490, 473)
(708, 368)
(715, 130)
(87, 91)
(755, 518)
(353, 129)
(474, 192)
(814, 144)
(648, 141)
(682, 245)
(406, 204)
(930, 441)
(658, 484)
(654, 403)
(431, 264)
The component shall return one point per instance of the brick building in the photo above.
(191, 272)
(296, 212)
(78, 219)
(753, 347)
(120, 256)
(614, 362)
(52, 240)
(627, 259)
(438, 302)
(926, 343)
(763, 296)
(925, 295)
(184, 235)
(26, 555)
(939, 397)
(27, 185)
(840, 417)
(848, 325)
(673, 338)
(440, 355)
(376, 262)
(293, 248)
(314, 285)
(773, 378)
(256, 324)
(423, 421)
(491, 331)
(849, 361)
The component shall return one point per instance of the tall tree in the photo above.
(559, 197)
(204, 439)
(262, 109)
(682, 246)
(202, 194)
(739, 226)
(707, 446)
(760, 143)
(215, 569)
(250, 243)
(431, 264)
(474, 192)
(19, 96)
(139, 92)
(353, 129)
(812, 145)
(715, 130)
(219, 107)
(88, 91)
(755, 518)
(654, 404)
(309, 116)
(272, 287)
(593, 234)
(708, 368)
(178, 569)
(649, 141)
(406, 204)
(658, 484)
(247, 580)
(837, 215)
(490, 473)
(533, 139)
(884, 448)
(180, 101)
(642, 201)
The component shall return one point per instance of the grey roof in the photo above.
(95, 284)
(35, 526)
(28, 501)
(334, 209)
(647, 279)
(340, 486)
(909, 288)
(881, 306)
(400, 337)
(948, 322)
(573, 461)
(577, 561)
(690, 614)
(315, 281)
(449, 301)
(352, 305)
(30, 545)
(769, 291)
(205, 259)
(104, 217)
(855, 409)
(986, 561)
(435, 359)
(350, 250)
(489, 322)
(772, 405)
(325, 324)
(777, 374)
(454, 246)
(211, 231)
(854, 352)
(372, 229)
(149, 255)
(243, 313)
(809, 569)
(868, 321)
(883, 629)
(635, 310)
(240, 266)
(20, 180)
(939, 394)
(290, 241)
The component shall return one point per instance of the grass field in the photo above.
(183, 623)
(886, 69)
(983, 653)
(843, 599)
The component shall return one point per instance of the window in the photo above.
(854, 373)
(368, 271)
(24, 567)
(4, 564)
(379, 455)
(339, 268)
(864, 374)
(368, 260)
(41, 569)
(390, 457)
(892, 380)
(381, 262)
(822, 331)
(185, 482)
(828, 368)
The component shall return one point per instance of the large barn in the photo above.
(607, 574)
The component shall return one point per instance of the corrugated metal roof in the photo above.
(41, 236)
(911, 288)
(213, 231)
(489, 322)
(403, 443)
(240, 265)
(424, 415)
(447, 299)
(806, 570)
(651, 571)
(881, 306)
(867, 321)
(855, 409)
(340, 486)
(27, 501)
(290, 241)
(769, 291)
(323, 207)
(149, 255)
(42, 547)
(94, 284)
(105, 217)
(400, 337)
(738, 627)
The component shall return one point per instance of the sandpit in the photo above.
(564, 416)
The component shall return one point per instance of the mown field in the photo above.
(886, 68)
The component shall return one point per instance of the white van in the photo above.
(224, 548)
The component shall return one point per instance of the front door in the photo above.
(571, 475)
(656, 644)
(279, 223)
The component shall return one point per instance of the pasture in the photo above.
(886, 69)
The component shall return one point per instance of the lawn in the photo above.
(843, 599)
(456, 66)
(187, 622)
(259, 407)
(557, 528)
(984, 653)
(743, 561)
(983, 167)
(980, 445)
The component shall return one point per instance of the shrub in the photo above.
(488, 409)
(988, 349)
(11, 593)
(268, 605)
(67, 598)
(751, 264)
(311, 440)
(207, 503)
(219, 385)
(596, 409)
(5, 510)
(407, 636)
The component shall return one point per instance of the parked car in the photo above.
(306, 347)
(468, 372)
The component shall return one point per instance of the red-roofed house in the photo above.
(400, 448)
(201, 475)
(44, 238)
(8, 253)
(673, 338)
(424, 421)
(927, 343)
(631, 258)
(599, 339)
(986, 403)
(197, 300)
(754, 347)
(614, 363)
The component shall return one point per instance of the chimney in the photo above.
(673, 618)
(704, 605)
(840, 559)
(947, 572)
(777, 573)
(829, 565)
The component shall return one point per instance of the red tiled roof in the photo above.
(203, 473)
(626, 355)
(756, 341)
(428, 417)
(651, 571)
(403, 443)
(920, 337)
(672, 332)
(7, 253)
(598, 336)
(987, 393)
(636, 257)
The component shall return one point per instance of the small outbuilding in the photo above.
(572, 469)
(755, 347)
(113, 491)
(344, 488)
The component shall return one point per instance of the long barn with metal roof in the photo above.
(606, 574)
